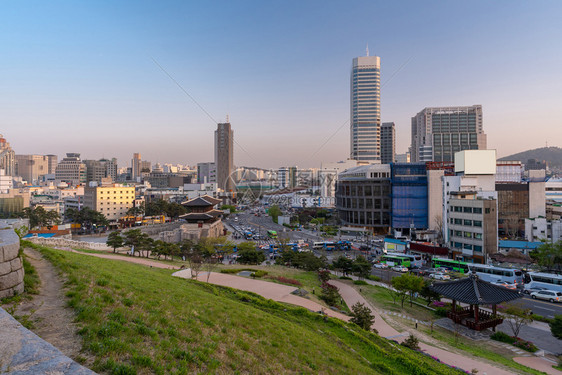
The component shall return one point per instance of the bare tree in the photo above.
(438, 221)
(517, 317)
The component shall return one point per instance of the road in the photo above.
(539, 307)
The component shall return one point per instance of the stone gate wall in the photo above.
(11, 267)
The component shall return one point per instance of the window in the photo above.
(458, 233)
(467, 246)
(477, 223)
(458, 221)
(468, 234)
(467, 210)
(478, 236)
(457, 209)
(477, 210)
(487, 210)
(477, 248)
(467, 222)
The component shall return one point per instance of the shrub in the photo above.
(360, 282)
(284, 280)
(441, 311)
(345, 278)
(411, 342)
(541, 318)
(515, 341)
(330, 294)
(362, 316)
(324, 275)
(374, 278)
(501, 336)
(259, 273)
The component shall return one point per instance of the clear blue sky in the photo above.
(78, 76)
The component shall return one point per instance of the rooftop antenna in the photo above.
(227, 118)
(367, 49)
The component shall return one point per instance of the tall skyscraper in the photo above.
(71, 170)
(388, 142)
(365, 121)
(224, 159)
(206, 173)
(438, 133)
(31, 167)
(136, 166)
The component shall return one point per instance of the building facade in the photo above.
(112, 201)
(224, 156)
(365, 121)
(31, 167)
(7, 157)
(206, 173)
(409, 196)
(473, 227)
(71, 170)
(363, 197)
(388, 143)
(439, 132)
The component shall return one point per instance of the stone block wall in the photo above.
(11, 267)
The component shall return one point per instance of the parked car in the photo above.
(400, 269)
(380, 265)
(548, 295)
(506, 285)
(440, 276)
(527, 290)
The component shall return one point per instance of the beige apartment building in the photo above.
(112, 201)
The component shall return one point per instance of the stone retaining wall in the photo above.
(22, 352)
(64, 242)
(11, 267)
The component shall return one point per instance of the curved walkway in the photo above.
(281, 293)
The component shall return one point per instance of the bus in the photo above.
(395, 260)
(492, 274)
(415, 260)
(450, 264)
(329, 245)
(272, 234)
(248, 235)
(318, 245)
(548, 281)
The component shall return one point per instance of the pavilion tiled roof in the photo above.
(473, 291)
(203, 201)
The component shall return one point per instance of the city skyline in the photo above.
(82, 78)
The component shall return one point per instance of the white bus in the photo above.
(415, 260)
(493, 274)
(318, 245)
(548, 281)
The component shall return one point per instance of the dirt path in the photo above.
(52, 320)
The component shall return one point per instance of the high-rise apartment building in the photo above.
(224, 156)
(71, 170)
(388, 142)
(31, 167)
(438, 133)
(52, 161)
(7, 157)
(365, 121)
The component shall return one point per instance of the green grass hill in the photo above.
(139, 320)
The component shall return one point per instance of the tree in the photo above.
(274, 211)
(429, 294)
(407, 285)
(248, 254)
(412, 342)
(556, 327)
(138, 241)
(115, 240)
(549, 256)
(193, 256)
(87, 218)
(362, 316)
(39, 217)
(343, 264)
(330, 294)
(361, 267)
(517, 318)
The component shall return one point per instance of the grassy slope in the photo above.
(137, 319)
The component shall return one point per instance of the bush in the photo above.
(515, 341)
(441, 311)
(374, 278)
(345, 278)
(411, 342)
(360, 282)
(259, 273)
(541, 318)
(285, 280)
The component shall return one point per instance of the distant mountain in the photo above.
(553, 155)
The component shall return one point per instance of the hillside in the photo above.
(551, 154)
(135, 319)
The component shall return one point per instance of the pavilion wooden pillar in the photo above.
(454, 306)
(476, 313)
(494, 312)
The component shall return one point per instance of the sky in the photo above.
(111, 78)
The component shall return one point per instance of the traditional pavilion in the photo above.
(475, 292)
(201, 210)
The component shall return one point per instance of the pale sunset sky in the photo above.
(80, 76)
